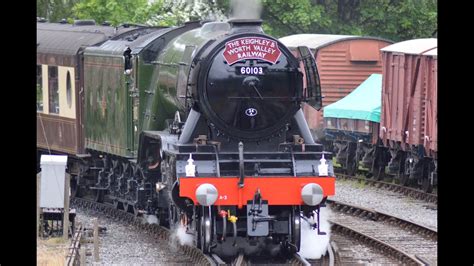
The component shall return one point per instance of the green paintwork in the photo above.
(147, 101)
(164, 103)
(107, 106)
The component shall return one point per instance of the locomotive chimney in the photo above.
(245, 25)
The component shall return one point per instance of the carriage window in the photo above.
(39, 89)
(53, 89)
(68, 89)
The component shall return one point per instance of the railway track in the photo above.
(160, 232)
(296, 260)
(408, 191)
(354, 223)
(196, 255)
(350, 251)
(72, 257)
(403, 240)
(383, 217)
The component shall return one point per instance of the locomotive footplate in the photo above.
(258, 218)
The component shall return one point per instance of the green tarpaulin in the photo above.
(363, 103)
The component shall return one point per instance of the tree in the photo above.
(55, 10)
(175, 12)
(115, 11)
(399, 20)
(155, 13)
(290, 17)
(391, 19)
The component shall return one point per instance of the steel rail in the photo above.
(408, 191)
(327, 259)
(73, 257)
(331, 258)
(401, 255)
(383, 217)
(298, 260)
(239, 261)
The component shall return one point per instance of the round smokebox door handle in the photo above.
(253, 82)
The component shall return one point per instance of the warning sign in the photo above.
(251, 48)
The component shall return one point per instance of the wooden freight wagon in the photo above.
(344, 62)
(408, 125)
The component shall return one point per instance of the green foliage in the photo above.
(55, 10)
(156, 13)
(282, 17)
(399, 20)
(391, 19)
(175, 12)
(115, 11)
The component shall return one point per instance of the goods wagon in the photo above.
(344, 62)
(352, 126)
(408, 125)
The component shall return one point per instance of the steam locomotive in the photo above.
(200, 125)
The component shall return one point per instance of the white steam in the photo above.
(183, 237)
(151, 219)
(246, 9)
(313, 246)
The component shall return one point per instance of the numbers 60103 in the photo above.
(251, 70)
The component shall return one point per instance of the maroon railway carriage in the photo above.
(408, 126)
(60, 88)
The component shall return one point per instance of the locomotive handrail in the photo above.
(254, 160)
(241, 164)
(266, 97)
(163, 64)
(218, 167)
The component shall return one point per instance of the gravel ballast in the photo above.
(123, 244)
(392, 203)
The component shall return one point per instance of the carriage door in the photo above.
(135, 104)
(312, 90)
(131, 80)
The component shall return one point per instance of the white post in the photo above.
(38, 197)
(66, 207)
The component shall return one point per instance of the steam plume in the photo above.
(313, 246)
